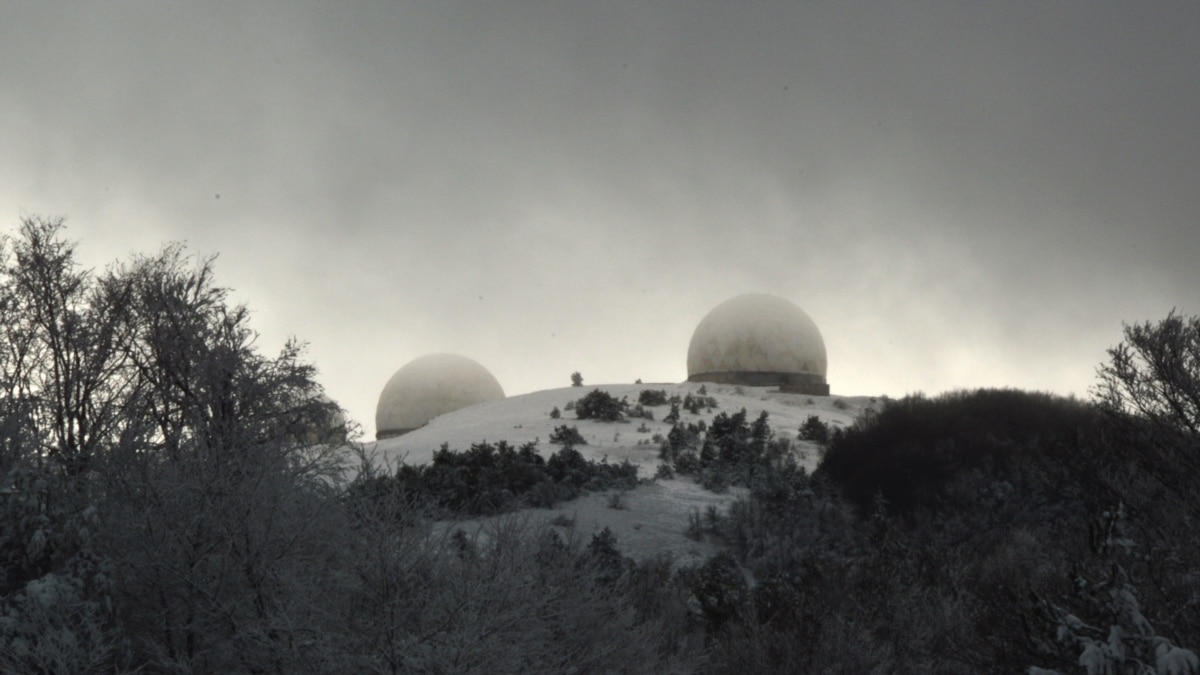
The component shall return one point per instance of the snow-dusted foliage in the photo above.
(50, 626)
(1107, 628)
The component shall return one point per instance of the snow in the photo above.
(520, 419)
(655, 515)
(1172, 660)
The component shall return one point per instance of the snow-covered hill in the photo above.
(653, 517)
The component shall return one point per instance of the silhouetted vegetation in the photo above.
(694, 404)
(917, 452)
(601, 406)
(652, 397)
(814, 430)
(490, 479)
(567, 435)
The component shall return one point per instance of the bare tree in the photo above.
(63, 344)
(227, 521)
(1155, 374)
(159, 473)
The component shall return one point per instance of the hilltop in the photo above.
(654, 517)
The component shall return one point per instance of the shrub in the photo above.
(601, 406)
(609, 563)
(679, 439)
(555, 413)
(688, 463)
(719, 588)
(673, 416)
(567, 435)
(639, 411)
(490, 479)
(912, 450)
(652, 397)
(714, 480)
(693, 404)
(814, 430)
(1106, 630)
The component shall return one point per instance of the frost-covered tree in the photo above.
(159, 505)
(1104, 630)
(1155, 374)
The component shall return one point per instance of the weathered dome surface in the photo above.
(759, 340)
(429, 386)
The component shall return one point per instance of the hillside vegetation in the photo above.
(174, 501)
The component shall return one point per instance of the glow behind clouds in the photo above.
(959, 195)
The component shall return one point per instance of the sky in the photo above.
(959, 194)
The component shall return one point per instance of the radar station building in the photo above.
(430, 386)
(759, 340)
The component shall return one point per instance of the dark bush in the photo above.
(681, 438)
(601, 406)
(913, 449)
(693, 404)
(714, 479)
(729, 435)
(688, 463)
(719, 588)
(814, 430)
(488, 479)
(568, 466)
(652, 397)
(607, 560)
(567, 435)
(673, 416)
(639, 411)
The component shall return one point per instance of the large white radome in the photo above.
(758, 339)
(429, 386)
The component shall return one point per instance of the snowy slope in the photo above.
(654, 516)
(525, 418)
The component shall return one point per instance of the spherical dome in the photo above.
(759, 340)
(430, 386)
(323, 422)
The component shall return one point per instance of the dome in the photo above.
(429, 386)
(759, 340)
(323, 421)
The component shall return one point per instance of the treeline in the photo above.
(488, 479)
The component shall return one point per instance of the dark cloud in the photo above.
(960, 195)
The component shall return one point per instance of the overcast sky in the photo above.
(959, 194)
